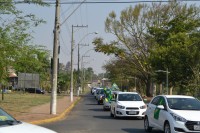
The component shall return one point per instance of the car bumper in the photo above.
(180, 127)
(130, 113)
(106, 105)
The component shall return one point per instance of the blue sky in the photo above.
(93, 15)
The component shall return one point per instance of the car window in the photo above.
(129, 97)
(183, 103)
(161, 101)
(155, 100)
(5, 118)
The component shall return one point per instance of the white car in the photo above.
(127, 104)
(173, 114)
(8, 124)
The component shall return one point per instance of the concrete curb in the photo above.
(59, 117)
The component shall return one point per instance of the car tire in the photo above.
(146, 125)
(104, 108)
(98, 102)
(111, 114)
(167, 128)
(115, 116)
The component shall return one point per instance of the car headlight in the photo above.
(120, 107)
(143, 107)
(178, 118)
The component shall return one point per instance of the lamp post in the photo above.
(79, 59)
(167, 72)
(72, 60)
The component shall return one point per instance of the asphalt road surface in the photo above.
(88, 117)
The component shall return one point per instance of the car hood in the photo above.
(131, 103)
(24, 128)
(191, 115)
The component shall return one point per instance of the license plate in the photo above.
(132, 112)
(196, 127)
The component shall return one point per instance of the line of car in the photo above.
(122, 104)
(168, 113)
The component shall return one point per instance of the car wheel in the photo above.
(98, 103)
(111, 114)
(104, 108)
(167, 128)
(146, 125)
(115, 116)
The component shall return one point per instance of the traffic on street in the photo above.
(89, 117)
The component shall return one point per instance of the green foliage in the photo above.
(15, 35)
(154, 37)
(176, 47)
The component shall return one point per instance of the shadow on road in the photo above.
(133, 130)
(103, 117)
(90, 104)
(119, 118)
(96, 110)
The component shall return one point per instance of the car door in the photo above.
(113, 102)
(160, 114)
(151, 111)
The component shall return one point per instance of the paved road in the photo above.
(88, 117)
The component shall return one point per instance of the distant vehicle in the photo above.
(8, 124)
(107, 102)
(127, 104)
(100, 96)
(35, 90)
(96, 92)
(93, 90)
(173, 114)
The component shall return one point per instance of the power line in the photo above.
(98, 2)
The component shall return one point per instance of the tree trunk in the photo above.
(149, 89)
(161, 92)
(170, 91)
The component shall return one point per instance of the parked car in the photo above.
(8, 124)
(173, 114)
(35, 90)
(128, 104)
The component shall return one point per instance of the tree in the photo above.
(148, 37)
(177, 43)
(131, 44)
(15, 35)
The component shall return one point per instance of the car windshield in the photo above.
(129, 97)
(183, 103)
(101, 91)
(6, 119)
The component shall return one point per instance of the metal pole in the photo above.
(167, 81)
(55, 59)
(78, 70)
(72, 69)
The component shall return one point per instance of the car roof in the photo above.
(120, 92)
(176, 96)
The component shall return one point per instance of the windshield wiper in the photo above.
(11, 122)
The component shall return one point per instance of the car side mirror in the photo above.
(145, 100)
(161, 107)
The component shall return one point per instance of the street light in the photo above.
(79, 59)
(167, 72)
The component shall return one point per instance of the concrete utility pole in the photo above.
(55, 59)
(72, 60)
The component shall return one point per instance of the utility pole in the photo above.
(72, 60)
(79, 80)
(55, 59)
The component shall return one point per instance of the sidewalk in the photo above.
(41, 114)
